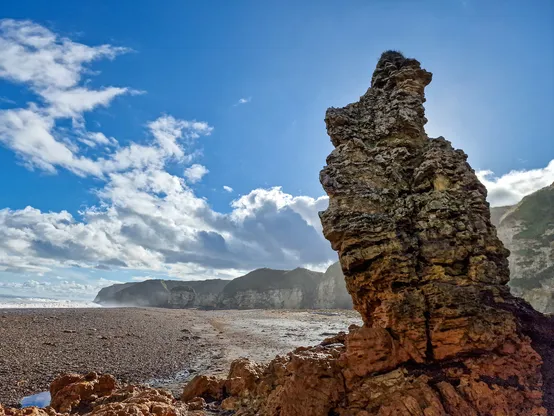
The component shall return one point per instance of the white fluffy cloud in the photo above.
(152, 221)
(196, 172)
(227, 188)
(52, 67)
(146, 218)
(32, 54)
(167, 130)
(510, 188)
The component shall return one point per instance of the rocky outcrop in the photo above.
(102, 395)
(147, 293)
(527, 230)
(442, 334)
(106, 295)
(259, 289)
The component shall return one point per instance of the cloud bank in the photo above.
(146, 219)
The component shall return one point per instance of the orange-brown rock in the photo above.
(442, 334)
(208, 387)
(102, 395)
(27, 411)
(243, 377)
(196, 404)
(71, 392)
(138, 400)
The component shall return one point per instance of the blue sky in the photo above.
(187, 98)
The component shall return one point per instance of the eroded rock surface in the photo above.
(442, 334)
(102, 395)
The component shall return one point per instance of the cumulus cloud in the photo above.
(153, 221)
(196, 172)
(510, 188)
(227, 188)
(167, 130)
(52, 67)
(146, 218)
(30, 53)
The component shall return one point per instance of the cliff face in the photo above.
(272, 289)
(527, 230)
(331, 290)
(107, 294)
(442, 334)
(260, 289)
(161, 293)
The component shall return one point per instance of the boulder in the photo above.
(75, 392)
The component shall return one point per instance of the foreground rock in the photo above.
(527, 229)
(442, 334)
(102, 395)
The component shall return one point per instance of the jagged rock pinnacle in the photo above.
(411, 224)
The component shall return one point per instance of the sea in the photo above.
(21, 302)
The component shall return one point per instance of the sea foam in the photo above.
(26, 303)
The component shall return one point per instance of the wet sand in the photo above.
(162, 347)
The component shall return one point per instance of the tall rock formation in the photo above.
(411, 224)
(442, 334)
(410, 221)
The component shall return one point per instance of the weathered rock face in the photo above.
(271, 289)
(527, 229)
(409, 219)
(421, 259)
(442, 334)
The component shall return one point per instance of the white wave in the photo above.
(27, 303)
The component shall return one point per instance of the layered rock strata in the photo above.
(442, 334)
